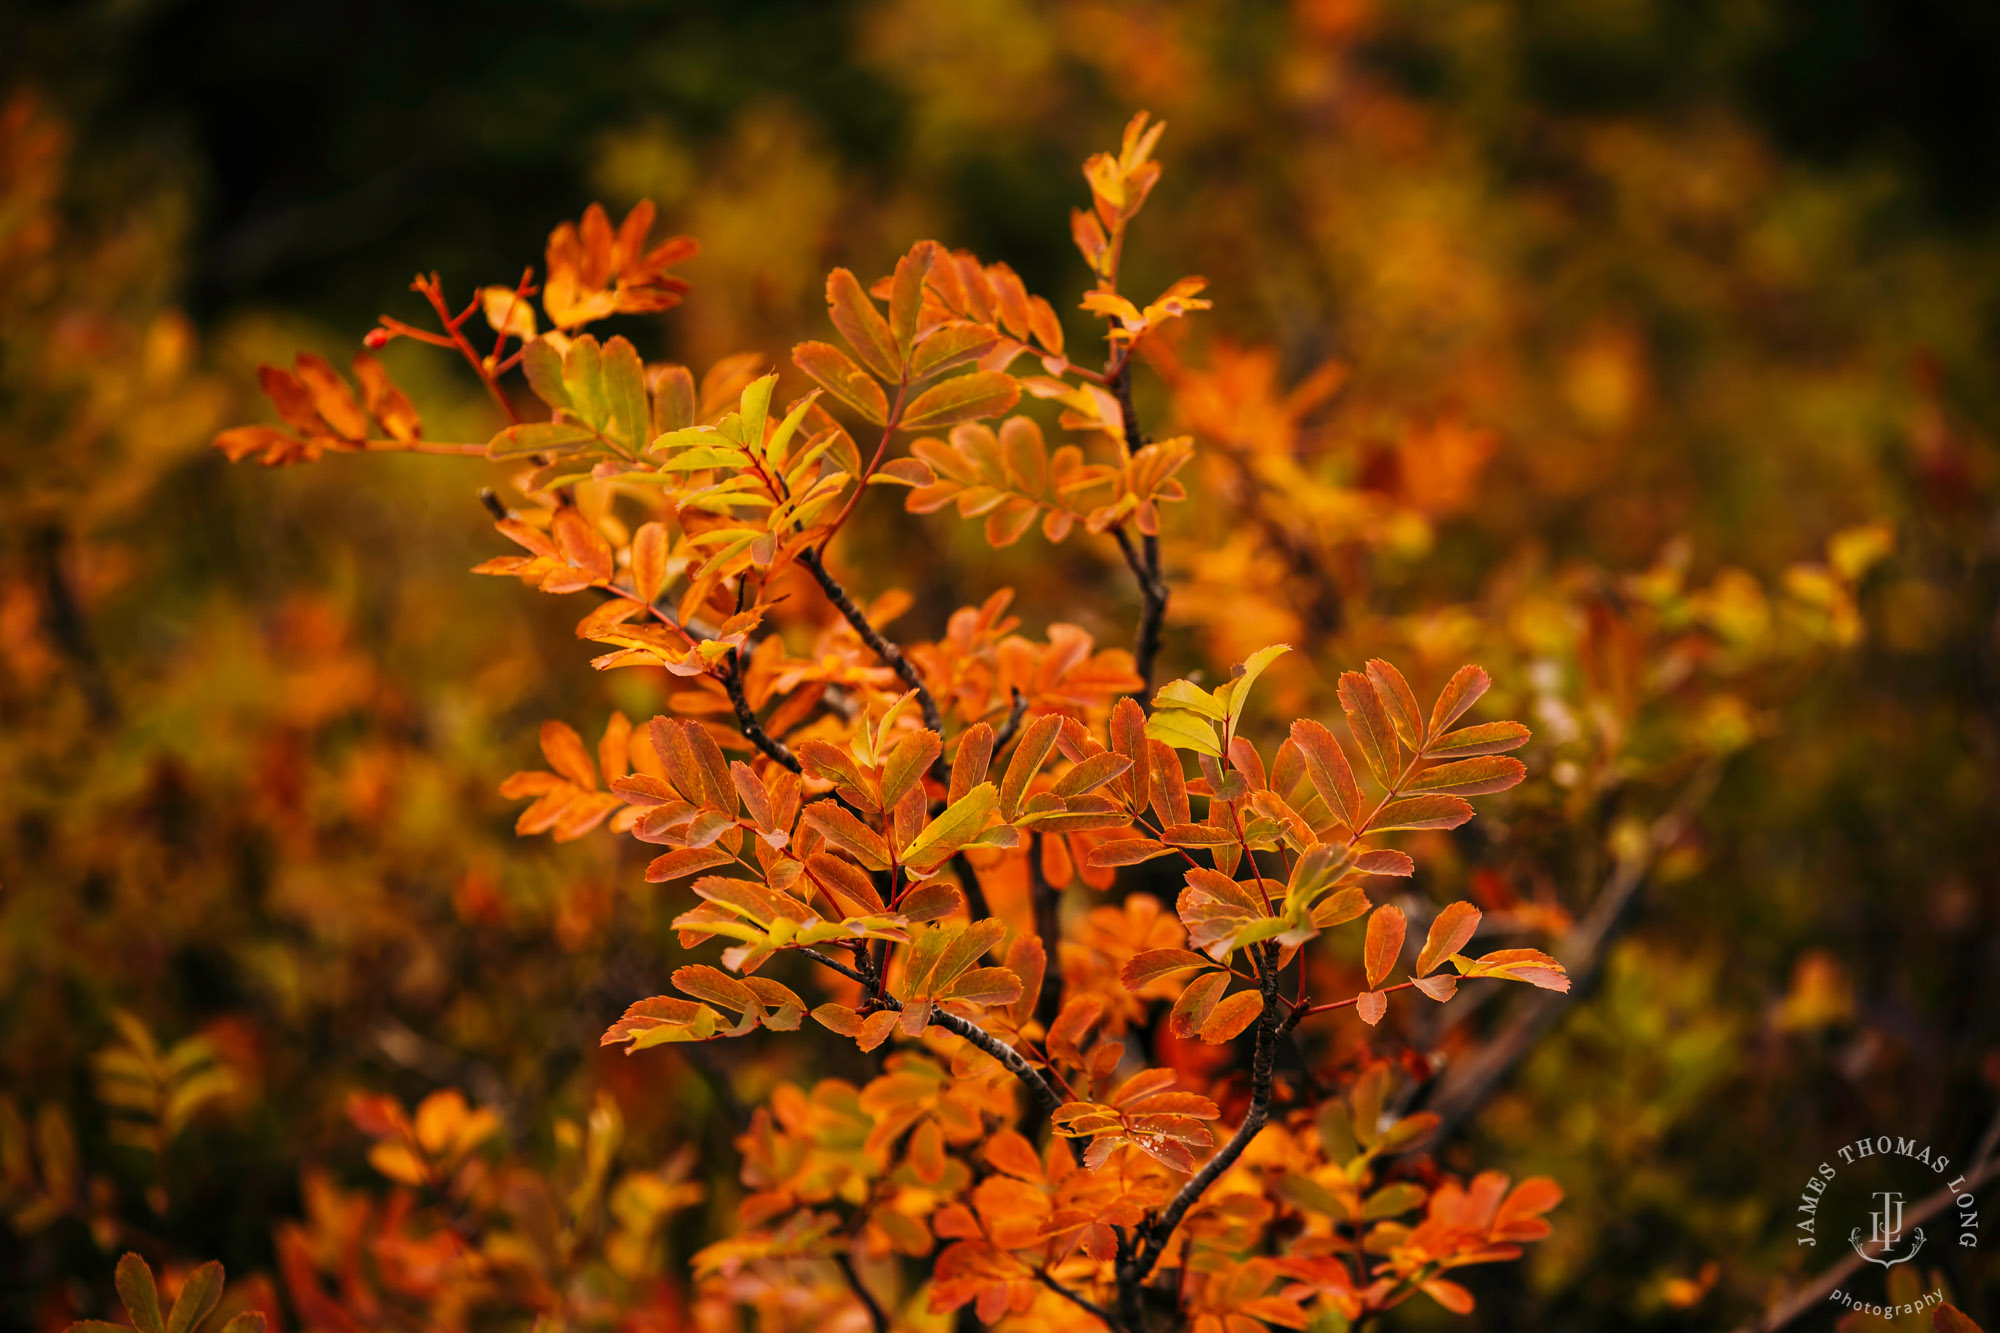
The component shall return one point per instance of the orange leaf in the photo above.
(1328, 770)
(1421, 812)
(1231, 1016)
(1399, 701)
(982, 393)
(1369, 721)
(1449, 932)
(836, 372)
(1384, 943)
(1460, 693)
(566, 755)
(861, 324)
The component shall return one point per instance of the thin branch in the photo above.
(1118, 379)
(877, 1316)
(1017, 711)
(828, 960)
(746, 716)
(891, 655)
(1015, 1063)
(1144, 560)
(1152, 617)
(1153, 1235)
(1087, 1306)
(433, 291)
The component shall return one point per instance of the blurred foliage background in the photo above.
(1619, 288)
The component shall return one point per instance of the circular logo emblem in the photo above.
(1885, 1199)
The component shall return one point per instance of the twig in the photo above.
(829, 960)
(1015, 1063)
(1087, 1306)
(1153, 1235)
(1017, 711)
(878, 1317)
(746, 717)
(891, 655)
(433, 291)
(1145, 562)
(1153, 594)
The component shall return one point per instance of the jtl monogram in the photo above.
(1885, 1232)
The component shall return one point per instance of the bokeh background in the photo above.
(1639, 306)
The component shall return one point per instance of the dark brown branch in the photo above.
(1152, 617)
(1145, 559)
(1153, 1235)
(746, 717)
(827, 960)
(877, 1317)
(1015, 1063)
(891, 655)
(1118, 379)
(1048, 925)
(1015, 713)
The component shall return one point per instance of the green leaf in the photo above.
(142, 1299)
(1186, 694)
(544, 367)
(753, 410)
(1237, 691)
(628, 419)
(583, 376)
(705, 456)
(1183, 731)
(964, 950)
(199, 1295)
(781, 438)
(960, 823)
(1392, 1200)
